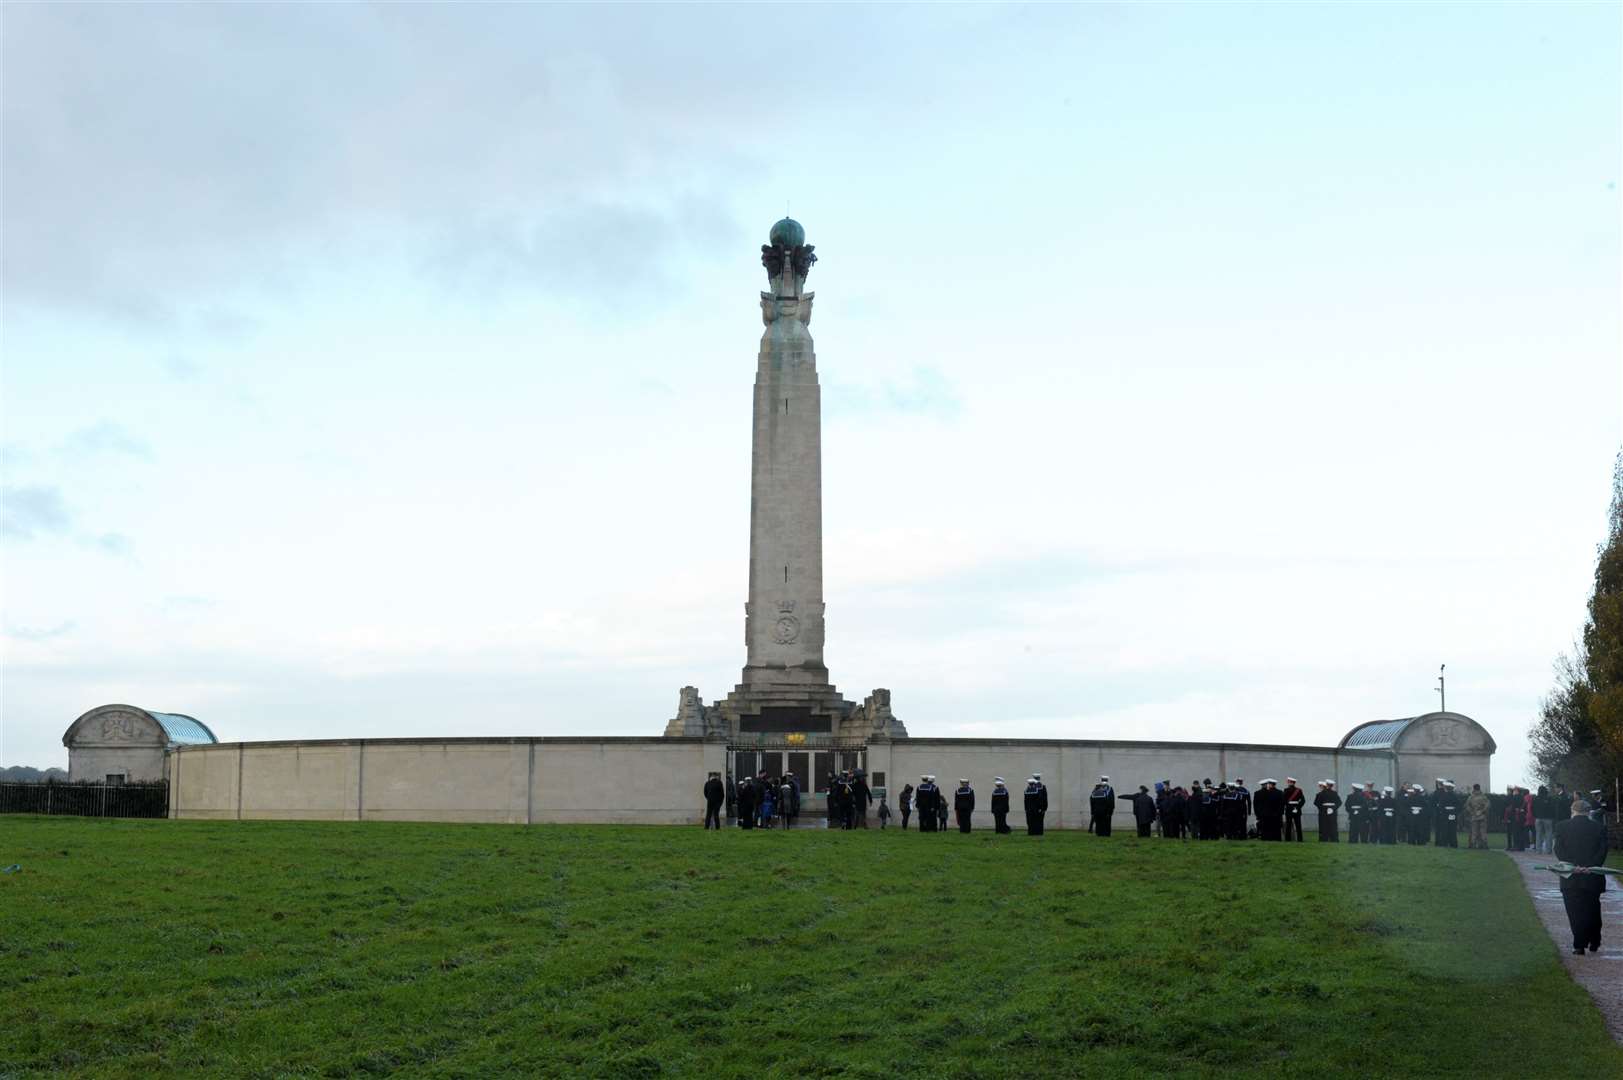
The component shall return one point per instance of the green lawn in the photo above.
(268, 949)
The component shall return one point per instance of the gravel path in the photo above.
(1600, 973)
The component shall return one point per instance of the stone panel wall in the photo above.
(657, 780)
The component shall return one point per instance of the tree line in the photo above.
(1577, 738)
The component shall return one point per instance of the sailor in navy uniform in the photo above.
(1036, 805)
(924, 797)
(1000, 806)
(963, 803)
(1103, 804)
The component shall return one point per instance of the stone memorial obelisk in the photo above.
(785, 685)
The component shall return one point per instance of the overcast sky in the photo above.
(1208, 372)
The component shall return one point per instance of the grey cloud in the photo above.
(112, 543)
(105, 438)
(28, 512)
(925, 392)
(25, 633)
(160, 157)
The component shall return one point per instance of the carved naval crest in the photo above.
(118, 727)
(1445, 733)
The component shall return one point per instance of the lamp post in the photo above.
(1442, 689)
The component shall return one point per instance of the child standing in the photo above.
(884, 812)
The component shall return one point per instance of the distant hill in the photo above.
(28, 772)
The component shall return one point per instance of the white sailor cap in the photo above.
(1448, 783)
(1269, 780)
(1290, 779)
(1104, 779)
(997, 780)
(1387, 788)
(1596, 791)
(1323, 782)
(963, 779)
(1440, 780)
(1331, 783)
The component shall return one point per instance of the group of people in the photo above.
(931, 803)
(1530, 818)
(1204, 811)
(1200, 811)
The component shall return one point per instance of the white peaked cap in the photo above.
(1323, 782)
(1440, 780)
(1269, 780)
(1104, 779)
(1331, 783)
(1290, 779)
(1448, 783)
(963, 779)
(997, 780)
(1387, 788)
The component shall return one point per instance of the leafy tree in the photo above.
(1603, 636)
(1578, 736)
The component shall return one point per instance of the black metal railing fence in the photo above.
(85, 799)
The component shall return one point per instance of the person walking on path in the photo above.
(714, 795)
(1295, 799)
(1581, 841)
(1000, 807)
(1036, 805)
(1476, 815)
(1328, 802)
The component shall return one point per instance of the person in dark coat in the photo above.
(1000, 807)
(1419, 815)
(1295, 799)
(1036, 805)
(963, 803)
(1448, 808)
(1245, 809)
(1356, 813)
(732, 801)
(1143, 809)
(1581, 841)
(1269, 804)
(861, 796)
(924, 798)
(1102, 803)
(1232, 812)
(940, 811)
(904, 803)
(844, 801)
(1329, 804)
(746, 803)
(1386, 816)
(1211, 825)
(1372, 813)
(1175, 818)
(714, 794)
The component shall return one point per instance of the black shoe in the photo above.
(1594, 948)
(1577, 952)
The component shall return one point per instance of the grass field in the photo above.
(326, 949)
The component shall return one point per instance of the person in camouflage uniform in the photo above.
(1476, 812)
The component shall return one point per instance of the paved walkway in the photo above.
(1600, 973)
